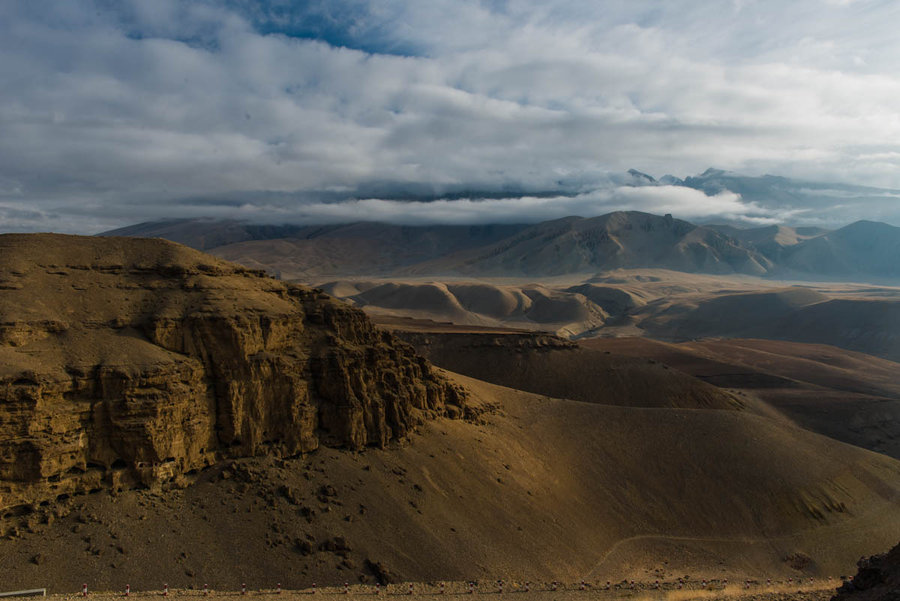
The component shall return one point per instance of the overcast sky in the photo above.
(119, 111)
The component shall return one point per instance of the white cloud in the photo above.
(128, 113)
(685, 203)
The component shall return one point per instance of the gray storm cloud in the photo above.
(112, 117)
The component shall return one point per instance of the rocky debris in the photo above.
(149, 361)
(798, 561)
(877, 579)
(381, 573)
(337, 545)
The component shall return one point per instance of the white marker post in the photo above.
(84, 590)
(500, 586)
(165, 590)
(243, 589)
(206, 590)
(410, 589)
(442, 588)
(583, 585)
(346, 588)
(314, 588)
(127, 590)
(377, 588)
(554, 585)
(279, 589)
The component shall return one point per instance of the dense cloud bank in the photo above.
(113, 113)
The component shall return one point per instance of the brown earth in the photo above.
(680, 478)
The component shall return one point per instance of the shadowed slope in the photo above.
(848, 396)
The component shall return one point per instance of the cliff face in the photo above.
(128, 361)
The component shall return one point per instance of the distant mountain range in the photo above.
(864, 250)
(798, 200)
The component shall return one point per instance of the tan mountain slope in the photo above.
(540, 489)
(624, 239)
(127, 361)
(869, 325)
(549, 365)
(306, 252)
(843, 394)
(529, 306)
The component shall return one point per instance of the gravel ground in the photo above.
(821, 590)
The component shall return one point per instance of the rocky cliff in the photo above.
(133, 362)
(878, 579)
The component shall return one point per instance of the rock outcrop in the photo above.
(878, 579)
(133, 362)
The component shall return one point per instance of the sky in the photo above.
(114, 112)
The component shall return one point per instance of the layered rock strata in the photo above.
(133, 362)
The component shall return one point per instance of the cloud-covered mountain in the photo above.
(801, 202)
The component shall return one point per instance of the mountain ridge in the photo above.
(621, 239)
